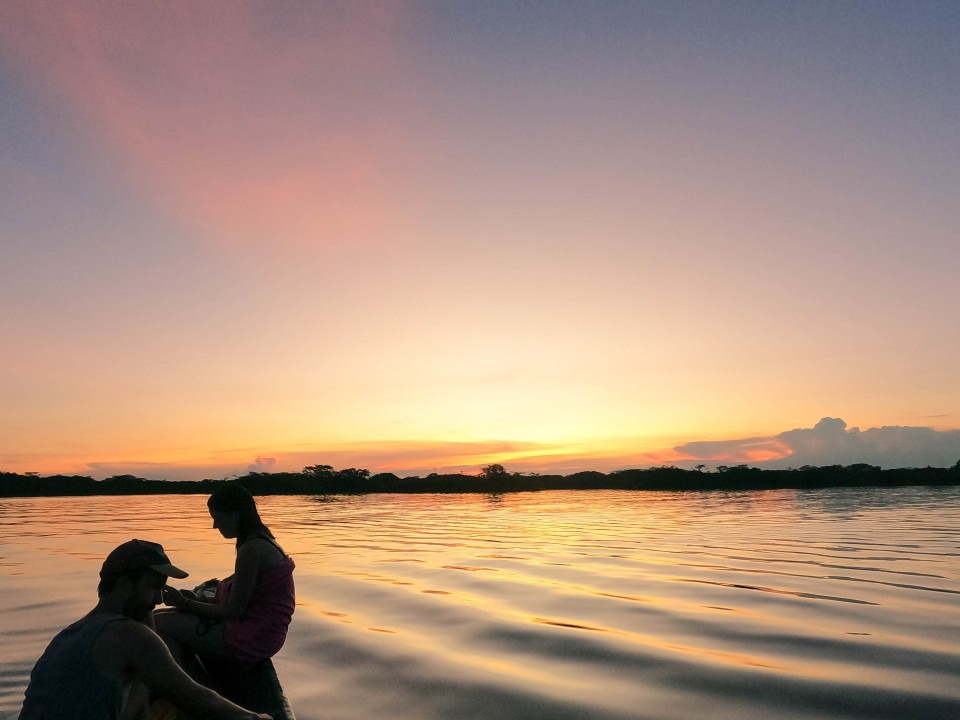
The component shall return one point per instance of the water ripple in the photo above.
(567, 606)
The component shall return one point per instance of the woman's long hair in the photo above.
(237, 499)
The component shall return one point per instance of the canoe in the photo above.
(257, 689)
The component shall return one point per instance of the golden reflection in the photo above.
(436, 646)
(402, 560)
(642, 581)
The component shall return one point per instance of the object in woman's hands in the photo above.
(206, 591)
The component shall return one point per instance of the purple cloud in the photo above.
(829, 442)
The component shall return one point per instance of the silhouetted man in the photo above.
(88, 670)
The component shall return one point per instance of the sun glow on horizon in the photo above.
(416, 238)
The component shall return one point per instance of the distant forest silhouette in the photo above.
(493, 479)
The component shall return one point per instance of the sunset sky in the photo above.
(431, 236)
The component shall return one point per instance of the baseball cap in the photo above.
(136, 554)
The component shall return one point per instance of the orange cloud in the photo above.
(829, 442)
(745, 450)
(404, 458)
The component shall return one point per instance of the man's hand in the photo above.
(176, 598)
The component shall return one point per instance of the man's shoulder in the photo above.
(128, 626)
(120, 644)
(125, 634)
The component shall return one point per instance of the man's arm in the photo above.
(132, 648)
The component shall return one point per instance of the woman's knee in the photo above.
(177, 626)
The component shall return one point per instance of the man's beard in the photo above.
(136, 611)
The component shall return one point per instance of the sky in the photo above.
(422, 237)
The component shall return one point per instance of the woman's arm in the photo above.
(250, 557)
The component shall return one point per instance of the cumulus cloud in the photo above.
(829, 442)
(263, 464)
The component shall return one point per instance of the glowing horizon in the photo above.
(829, 442)
(448, 236)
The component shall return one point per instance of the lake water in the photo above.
(840, 603)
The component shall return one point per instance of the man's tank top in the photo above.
(65, 684)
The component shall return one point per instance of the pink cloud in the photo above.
(255, 123)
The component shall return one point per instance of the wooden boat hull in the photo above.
(256, 689)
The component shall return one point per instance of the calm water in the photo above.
(560, 605)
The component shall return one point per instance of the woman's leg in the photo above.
(188, 636)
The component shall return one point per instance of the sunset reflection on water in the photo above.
(833, 603)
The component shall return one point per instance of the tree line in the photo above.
(492, 479)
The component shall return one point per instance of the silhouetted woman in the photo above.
(248, 618)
